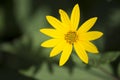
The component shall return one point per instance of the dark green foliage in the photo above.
(22, 57)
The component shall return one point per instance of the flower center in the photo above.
(71, 37)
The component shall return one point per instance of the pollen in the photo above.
(71, 37)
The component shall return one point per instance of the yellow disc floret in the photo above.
(71, 37)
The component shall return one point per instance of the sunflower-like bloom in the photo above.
(66, 35)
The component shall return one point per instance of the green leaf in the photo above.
(7, 47)
(29, 72)
(77, 60)
(63, 73)
(109, 57)
(15, 46)
(93, 60)
(32, 26)
(22, 9)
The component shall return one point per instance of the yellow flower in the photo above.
(67, 34)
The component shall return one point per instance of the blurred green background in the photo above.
(22, 57)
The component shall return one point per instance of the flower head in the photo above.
(66, 35)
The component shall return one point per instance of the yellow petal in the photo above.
(64, 17)
(90, 47)
(58, 48)
(81, 52)
(65, 20)
(87, 25)
(50, 43)
(75, 17)
(92, 35)
(55, 22)
(65, 54)
(52, 33)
